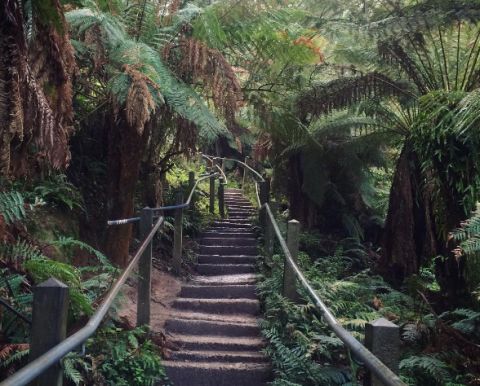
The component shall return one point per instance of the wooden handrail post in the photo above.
(212, 194)
(145, 270)
(191, 184)
(289, 280)
(49, 326)
(264, 194)
(178, 236)
(269, 233)
(382, 338)
(244, 174)
(221, 197)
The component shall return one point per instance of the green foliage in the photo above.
(12, 206)
(163, 85)
(41, 268)
(12, 289)
(120, 358)
(426, 370)
(58, 191)
(468, 237)
(304, 350)
(68, 243)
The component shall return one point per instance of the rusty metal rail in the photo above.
(55, 354)
(383, 373)
(52, 355)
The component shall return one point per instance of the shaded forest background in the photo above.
(364, 115)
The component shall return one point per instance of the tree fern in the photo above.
(163, 85)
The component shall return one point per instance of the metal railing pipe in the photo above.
(211, 158)
(387, 376)
(165, 208)
(42, 363)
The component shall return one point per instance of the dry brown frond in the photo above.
(94, 40)
(140, 104)
(208, 65)
(37, 80)
(8, 349)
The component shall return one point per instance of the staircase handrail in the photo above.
(375, 365)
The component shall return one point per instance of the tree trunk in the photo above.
(301, 207)
(410, 228)
(125, 155)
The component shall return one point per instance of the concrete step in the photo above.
(238, 202)
(217, 373)
(230, 224)
(218, 356)
(245, 205)
(224, 269)
(241, 220)
(231, 259)
(206, 342)
(241, 212)
(237, 279)
(230, 318)
(219, 306)
(206, 327)
(224, 231)
(222, 241)
(251, 250)
(218, 291)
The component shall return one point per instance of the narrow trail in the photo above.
(214, 322)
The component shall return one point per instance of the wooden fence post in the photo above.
(145, 270)
(49, 326)
(264, 193)
(382, 338)
(289, 279)
(221, 197)
(245, 171)
(269, 232)
(212, 194)
(191, 184)
(178, 235)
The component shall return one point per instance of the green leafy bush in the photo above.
(117, 357)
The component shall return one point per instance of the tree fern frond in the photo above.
(344, 92)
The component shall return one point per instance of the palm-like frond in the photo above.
(344, 92)
(139, 73)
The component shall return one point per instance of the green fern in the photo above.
(72, 242)
(12, 206)
(426, 367)
(20, 251)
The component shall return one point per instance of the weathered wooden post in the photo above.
(49, 326)
(221, 197)
(191, 181)
(245, 171)
(382, 338)
(289, 280)
(178, 235)
(263, 194)
(145, 270)
(212, 193)
(269, 232)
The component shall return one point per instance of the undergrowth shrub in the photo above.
(117, 357)
(305, 351)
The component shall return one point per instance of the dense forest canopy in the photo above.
(363, 114)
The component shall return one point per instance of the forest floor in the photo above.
(165, 289)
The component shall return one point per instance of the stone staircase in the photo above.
(213, 324)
